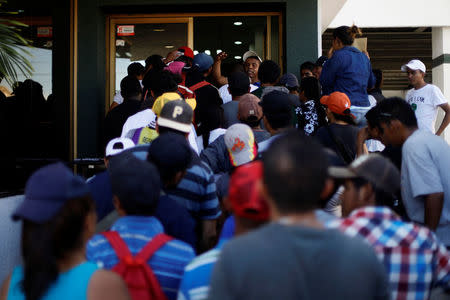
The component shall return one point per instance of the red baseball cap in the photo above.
(244, 195)
(337, 102)
(187, 51)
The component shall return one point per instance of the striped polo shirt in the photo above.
(197, 275)
(197, 191)
(167, 263)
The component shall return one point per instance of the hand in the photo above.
(221, 56)
(171, 56)
(367, 54)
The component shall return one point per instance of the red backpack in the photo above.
(139, 277)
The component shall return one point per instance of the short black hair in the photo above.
(130, 87)
(239, 84)
(311, 87)
(373, 118)
(154, 61)
(161, 82)
(399, 109)
(269, 72)
(307, 65)
(345, 118)
(378, 77)
(295, 170)
(135, 69)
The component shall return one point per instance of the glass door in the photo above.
(133, 39)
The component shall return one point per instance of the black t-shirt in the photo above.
(345, 134)
(117, 117)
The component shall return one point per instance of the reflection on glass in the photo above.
(41, 38)
(136, 42)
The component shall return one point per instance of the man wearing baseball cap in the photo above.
(414, 258)
(341, 133)
(425, 98)
(250, 211)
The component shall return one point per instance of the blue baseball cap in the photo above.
(203, 61)
(46, 192)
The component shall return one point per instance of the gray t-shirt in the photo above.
(426, 170)
(295, 262)
(230, 110)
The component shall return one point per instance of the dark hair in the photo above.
(307, 65)
(239, 84)
(212, 119)
(251, 121)
(373, 118)
(135, 69)
(44, 245)
(278, 121)
(269, 72)
(163, 130)
(345, 118)
(161, 82)
(154, 61)
(378, 77)
(346, 34)
(382, 198)
(295, 174)
(130, 87)
(399, 109)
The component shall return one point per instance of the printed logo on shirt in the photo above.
(416, 99)
(414, 106)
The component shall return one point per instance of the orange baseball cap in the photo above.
(337, 102)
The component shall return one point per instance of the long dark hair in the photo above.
(211, 118)
(45, 245)
(312, 89)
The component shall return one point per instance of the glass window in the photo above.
(134, 43)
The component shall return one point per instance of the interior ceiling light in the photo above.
(159, 29)
(128, 54)
(208, 52)
(238, 42)
(169, 46)
(195, 52)
(238, 23)
(218, 51)
(237, 57)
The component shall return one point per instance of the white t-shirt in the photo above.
(225, 94)
(147, 118)
(425, 103)
(213, 135)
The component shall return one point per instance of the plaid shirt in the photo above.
(414, 258)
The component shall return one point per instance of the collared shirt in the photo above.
(197, 275)
(414, 258)
(167, 263)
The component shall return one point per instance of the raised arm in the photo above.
(217, 71)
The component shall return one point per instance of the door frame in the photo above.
(114, 19)
(111, 23)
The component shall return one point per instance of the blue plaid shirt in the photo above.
(414, 258)
(167, 263)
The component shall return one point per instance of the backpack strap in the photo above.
(199, 85)
(118, 244)
(157, 242)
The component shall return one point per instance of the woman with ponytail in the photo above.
(348, 71)
(58, 217)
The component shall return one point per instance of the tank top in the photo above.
(70, 285)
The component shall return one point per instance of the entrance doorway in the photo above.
(132, 38)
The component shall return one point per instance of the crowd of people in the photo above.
(249, 185)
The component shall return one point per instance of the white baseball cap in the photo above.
(117, 145)
(414, 64)
(250, 53)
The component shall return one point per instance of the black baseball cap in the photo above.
(177, 115)
(170, 150)
(376, 169)
(276, 103)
